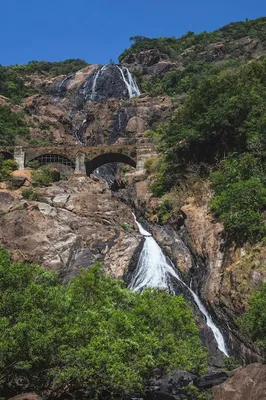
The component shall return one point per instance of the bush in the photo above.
(164, 211)
(33, 164)
(30, 194)
(240, 206)
(45, 176)
(253, 322)
(126, 227)
(6, 168)
(83, 335)
(151, 165)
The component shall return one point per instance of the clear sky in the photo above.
(99, 30)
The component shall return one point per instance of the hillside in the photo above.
(196, 122)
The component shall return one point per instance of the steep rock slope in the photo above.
(75, 225)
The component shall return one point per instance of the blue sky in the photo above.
(99, 30)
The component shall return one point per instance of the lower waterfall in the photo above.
(155, 271)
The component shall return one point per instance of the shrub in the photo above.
(6, 168)
(164, 211)
(33, 164)
(30, 194)
(126, 227)
(240, 207)
(151, 165)
(253, 322)
(44, 176)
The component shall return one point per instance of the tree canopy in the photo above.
(92, 333)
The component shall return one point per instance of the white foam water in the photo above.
(155, 271)
(130, 83)
(94, 83)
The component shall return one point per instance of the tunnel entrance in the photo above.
(107, 158)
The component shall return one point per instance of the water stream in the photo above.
(96, 76)
(155, 271)
(130, 83)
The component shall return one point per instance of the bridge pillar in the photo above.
(144, 152)
(19, 157)
(80, 164)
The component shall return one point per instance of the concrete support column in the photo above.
(19, 157)
(144, 152)
(80, 164)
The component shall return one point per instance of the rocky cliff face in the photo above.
(93, 106)
(224, 276)
(76, 224)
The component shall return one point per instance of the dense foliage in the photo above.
(6, 168)
(50, 68)
(12, 125)
(92, 333)
(182, 81)
(223, 117)
(253, 322)
(13, 78)
(174, 47)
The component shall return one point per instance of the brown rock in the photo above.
(76, 226)
(26, 396)
(247, 384)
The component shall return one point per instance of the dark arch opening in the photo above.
(45, 159)
(5, 155)
(107, 158)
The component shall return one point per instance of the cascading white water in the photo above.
(130, 83)
(155, 271)
(62, 84)
(93, 92)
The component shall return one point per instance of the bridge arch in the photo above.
(107, 158)
(52, 158)
(6, 155)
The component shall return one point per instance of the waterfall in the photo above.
(61, 85)
(96, 76)
(155, 271)
(130, 83)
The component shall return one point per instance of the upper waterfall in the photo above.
(155, 271)
(109, 81)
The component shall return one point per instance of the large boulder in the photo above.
(247, 384)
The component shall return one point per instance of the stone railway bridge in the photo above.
(82, 159)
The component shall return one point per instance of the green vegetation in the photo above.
(12, 84)
(92, 333)
(13, 78)
(198, 56)
(196, 43)
(222, 126)
(253, 322)
(6, 168)
(182, 81)
(50, 68)
(126, 227)
(45, 176)
(12, 125)
(30, 194)
(164, 211)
